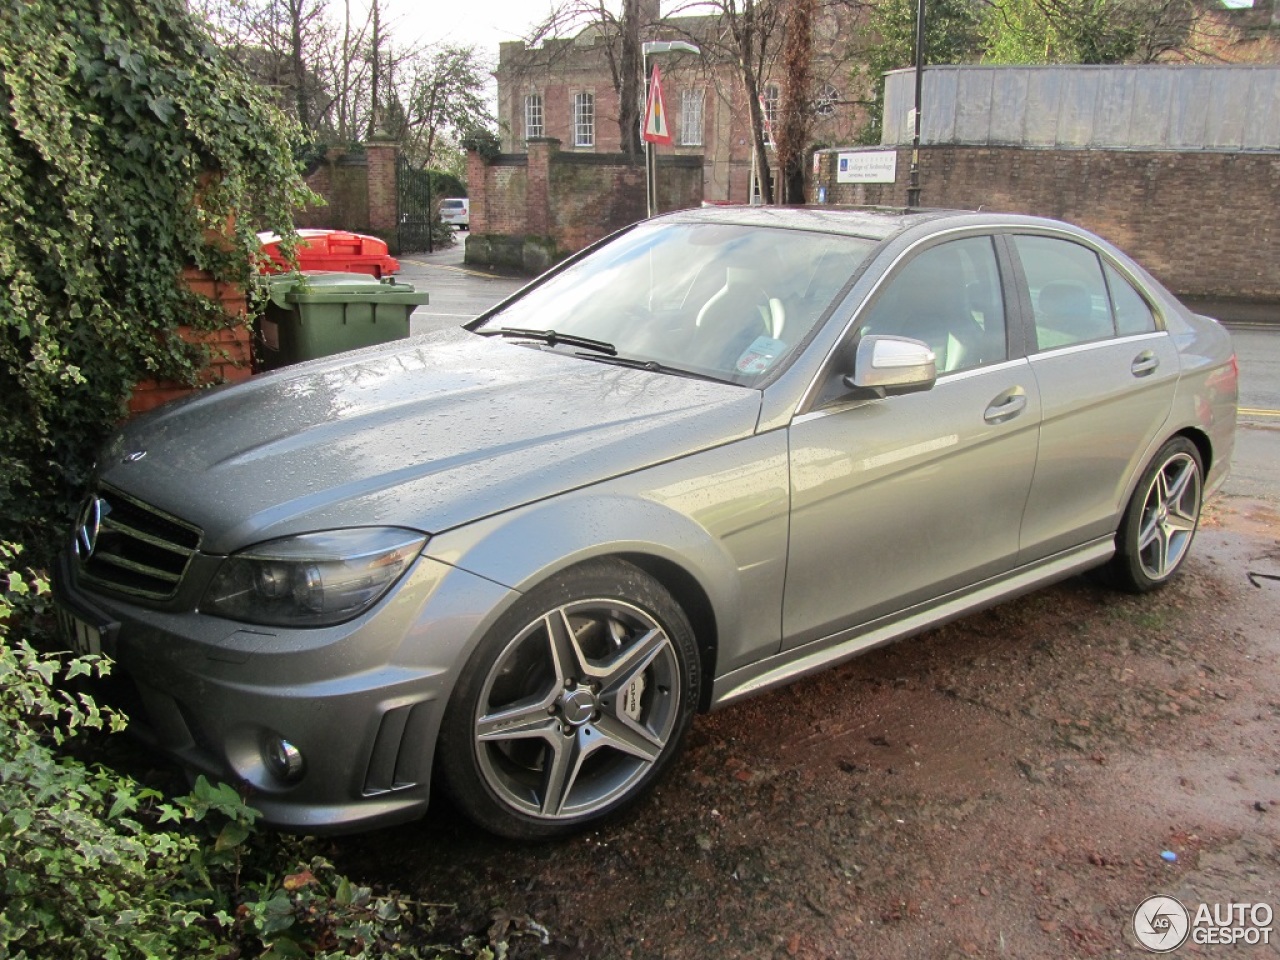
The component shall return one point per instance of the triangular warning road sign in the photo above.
(657, 129)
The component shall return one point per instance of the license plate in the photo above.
(84, 638)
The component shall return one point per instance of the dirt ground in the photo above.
(1002, 787)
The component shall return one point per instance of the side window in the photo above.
(949, 296)
(1068, 295)
(1133, 313)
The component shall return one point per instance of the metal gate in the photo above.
(413, 207)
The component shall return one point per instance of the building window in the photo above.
(772, 95)
(533, 116)
(584, 120)
(824, 105)
(691, 118)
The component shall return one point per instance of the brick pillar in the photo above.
(477, 193)
(537, 196)
(381, 152)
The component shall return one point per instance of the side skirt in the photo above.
(791, 665)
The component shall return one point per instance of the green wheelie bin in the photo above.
(317, 314)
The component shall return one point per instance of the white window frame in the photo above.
(534, 116)
(772, 100)
(691, 118)
(584, 119)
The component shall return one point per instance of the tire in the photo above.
(1161, 520)
(572, 706)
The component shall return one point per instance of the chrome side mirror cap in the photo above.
(889, 365)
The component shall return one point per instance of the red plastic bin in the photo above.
(332, 250)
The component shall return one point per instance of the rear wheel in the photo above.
(1160, 522)
(573, 704)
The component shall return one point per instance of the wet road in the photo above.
(1257, 459)
(458, 292)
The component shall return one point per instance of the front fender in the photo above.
(719, 515)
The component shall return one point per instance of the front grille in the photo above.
(138, 550)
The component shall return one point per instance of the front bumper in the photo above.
(362, 702)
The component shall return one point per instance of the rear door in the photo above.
(900, 500)
(1106, 372)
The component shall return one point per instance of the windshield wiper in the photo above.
(551, 338)
(655, 367)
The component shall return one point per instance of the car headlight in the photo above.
(312, 580)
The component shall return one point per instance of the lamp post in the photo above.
(913, 190)
(650, 160)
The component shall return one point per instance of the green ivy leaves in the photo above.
(130, 148)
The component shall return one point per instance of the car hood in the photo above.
(427, 433)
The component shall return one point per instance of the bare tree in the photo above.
(349, 74)
(440, 94)
(377, 41)
(744, 33)
(281, 43)
(796, 108)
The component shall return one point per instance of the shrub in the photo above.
(95, 865)
(130, 148)
(80, 875)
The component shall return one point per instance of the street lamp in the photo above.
(913, 188)
(650, 160)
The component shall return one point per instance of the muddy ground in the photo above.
(1002, 787)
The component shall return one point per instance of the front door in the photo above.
(898, 501)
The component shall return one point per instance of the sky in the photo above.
(484, 23)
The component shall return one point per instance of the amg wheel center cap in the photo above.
(578, 706)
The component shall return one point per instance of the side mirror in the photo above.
(888, 365)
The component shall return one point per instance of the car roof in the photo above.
(873, 223)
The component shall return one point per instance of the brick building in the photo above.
(563, 89)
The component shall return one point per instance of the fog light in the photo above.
(283, 759)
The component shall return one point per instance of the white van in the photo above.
(456, 212)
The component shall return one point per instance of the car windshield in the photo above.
(726, 301)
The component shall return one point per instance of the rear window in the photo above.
(451, 204)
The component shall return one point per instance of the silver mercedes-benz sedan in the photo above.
(720, 451)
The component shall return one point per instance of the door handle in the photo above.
(1144, 363)
(1006, 405)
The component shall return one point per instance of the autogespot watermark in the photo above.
(1162, 924)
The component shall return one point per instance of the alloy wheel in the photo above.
(577, 708)
(1170, 513)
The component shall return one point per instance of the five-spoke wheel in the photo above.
(572, 713)
(1161, 519)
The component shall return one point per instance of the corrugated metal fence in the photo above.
(1156, 107)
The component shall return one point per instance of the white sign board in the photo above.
(867, 166)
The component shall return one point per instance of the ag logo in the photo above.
(1161, 924)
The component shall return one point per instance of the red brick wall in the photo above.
(359, 190)
(476, 172)
(229, 349)
(538, 187)
(343, 181)
(382, 189)
(1207, 224)
(499, 193)
(572, 198)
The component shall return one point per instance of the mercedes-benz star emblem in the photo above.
(88, 527)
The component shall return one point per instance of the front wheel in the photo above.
(1161, 519)
(572, 705)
